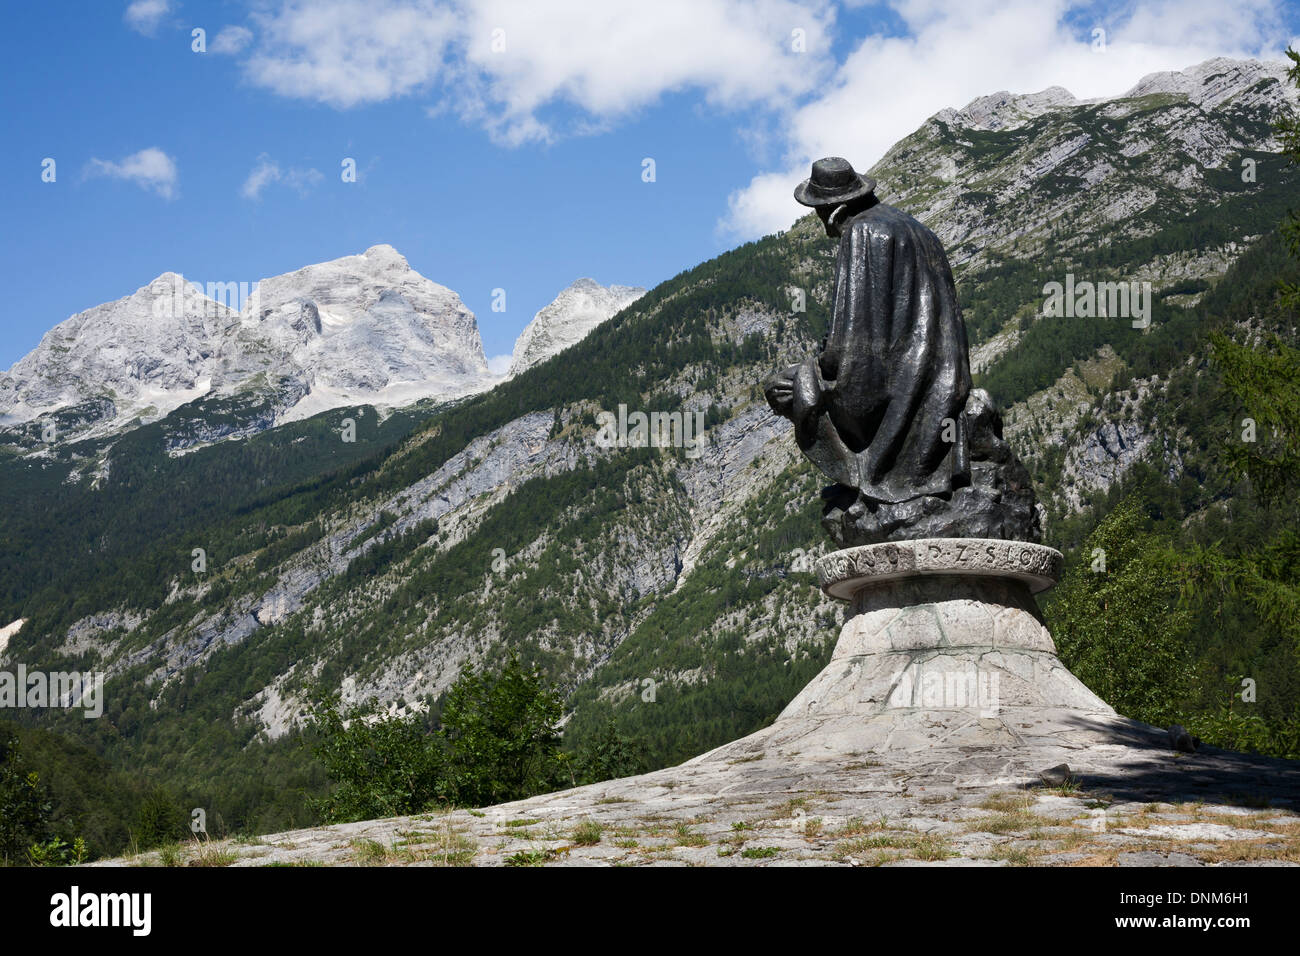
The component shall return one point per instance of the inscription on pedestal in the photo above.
(843, 573)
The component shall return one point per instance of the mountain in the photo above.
(666, 588)
(575, 312)
(1048, 175)
(366, 327)
(124, 359)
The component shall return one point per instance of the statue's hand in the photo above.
(795, 392)
(779, 389)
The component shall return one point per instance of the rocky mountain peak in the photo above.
(1005, 110)
(578, 309)
(152, 348)
(1214, 82)
(1001, 193)
(361, 328)
(1207, 85)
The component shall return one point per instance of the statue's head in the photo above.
(836, 192)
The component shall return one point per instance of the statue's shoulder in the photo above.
(882, 220)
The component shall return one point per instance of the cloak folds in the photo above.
(870, 409)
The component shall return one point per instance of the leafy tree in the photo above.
(1120, 630)
(382, 766)
(24, 809)
(502, 732)
(608, 755)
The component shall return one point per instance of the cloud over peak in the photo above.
(503, 63)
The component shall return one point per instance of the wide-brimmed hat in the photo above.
(833, 181)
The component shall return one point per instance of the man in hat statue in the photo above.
(882, 408)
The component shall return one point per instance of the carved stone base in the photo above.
(944, 646)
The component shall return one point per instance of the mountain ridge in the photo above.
(359, 328)
(356, 326)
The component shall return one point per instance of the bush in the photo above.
(382, 766)
(502, 735)
(498, 741)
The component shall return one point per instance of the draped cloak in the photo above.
(880, 409)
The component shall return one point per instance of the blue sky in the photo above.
(499, 144)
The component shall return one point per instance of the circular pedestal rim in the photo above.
(842, 574)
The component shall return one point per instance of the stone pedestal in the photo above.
(944, 647)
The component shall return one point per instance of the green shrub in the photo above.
(24, 809)
(502, 735)
(498, 741)
(381, 765)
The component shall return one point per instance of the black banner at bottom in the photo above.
(142, 907)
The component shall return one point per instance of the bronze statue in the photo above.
(886, 409)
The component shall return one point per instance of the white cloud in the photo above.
(613, 58)
(957, 52)
(263, 174)
(149, 169)
(500, 63)
(348, 52)
(499, 364)
(143, 16)
(231, 40)
(267, 171)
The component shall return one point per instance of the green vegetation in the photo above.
(1117, 622)
(496, 741)
(587, 833)
(380, 766)
(502, 737)
(24, 810)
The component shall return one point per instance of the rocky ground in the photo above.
(1128, 799)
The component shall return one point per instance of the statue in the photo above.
(886, 409)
